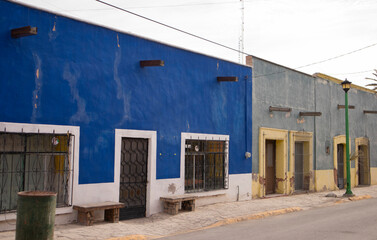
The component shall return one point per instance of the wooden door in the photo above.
(340, 166)
(363, 165)
(270, 166)
(299, 165)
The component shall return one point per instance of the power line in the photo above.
(342, 55)
(189, 4)
(171, 27)
(351, 73)
(227, 47)
(158, 6)
(326, 60)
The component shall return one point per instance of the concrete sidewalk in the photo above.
(162, 224)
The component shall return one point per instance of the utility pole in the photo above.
(241, 39)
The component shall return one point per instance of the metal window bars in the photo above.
(205, 165)
(34, 162)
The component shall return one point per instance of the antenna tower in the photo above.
(241, 39)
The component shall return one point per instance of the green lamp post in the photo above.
(346, 86)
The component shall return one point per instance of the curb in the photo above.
(252, 217)
(355, 198)
(133, 237)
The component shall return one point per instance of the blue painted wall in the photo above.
(74, 73)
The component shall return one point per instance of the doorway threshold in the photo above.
(298, 192)
(274, 195)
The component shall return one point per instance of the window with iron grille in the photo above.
(205, 165)
(34, 162)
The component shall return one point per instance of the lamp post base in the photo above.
(348, 195)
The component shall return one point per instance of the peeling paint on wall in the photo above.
(71, 74)
(336, 177)
(119, 88)
(38, 87)
(300, 120)
(292, 182)
(321, 81)
(53, 34)
(254, 177)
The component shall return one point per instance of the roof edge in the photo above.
(338, 81)
(119, 30)
(288, 68)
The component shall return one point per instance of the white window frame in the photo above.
(209, 137)
(74, 154)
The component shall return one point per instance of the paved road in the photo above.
(353, 220)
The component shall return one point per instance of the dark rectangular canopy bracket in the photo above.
(227, 79)
(343, 106)
(152, 63)
(279, 109)
(370, 111)
(23, 32)
(313, 114)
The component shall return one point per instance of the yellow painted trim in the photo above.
(358, 142)
(255, 185)
(373, 176)
(307, 138)
(341, 139)
(324, 180)
(338, 81)
(281, 137)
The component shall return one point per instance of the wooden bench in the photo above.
(85, 213)
(173, 203)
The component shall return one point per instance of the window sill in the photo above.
(13, 215)
(203, 194)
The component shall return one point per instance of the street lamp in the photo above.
(346, 85)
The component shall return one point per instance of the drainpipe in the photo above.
(264, 164)
(246, 113)
(314, 152)
(287, 171)
(238, 193)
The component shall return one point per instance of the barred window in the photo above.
(34, 162)
(205, 165)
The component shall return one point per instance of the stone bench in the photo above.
(173, 203)
(85, 213)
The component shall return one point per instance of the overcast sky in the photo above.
(292, 33)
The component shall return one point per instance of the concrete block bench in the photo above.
(85, 213)
(173, 203)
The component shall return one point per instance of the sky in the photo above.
(334, 37)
